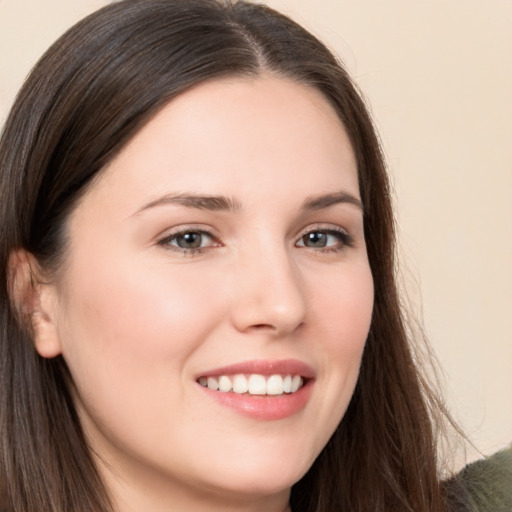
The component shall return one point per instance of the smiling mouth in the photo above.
(254, 384)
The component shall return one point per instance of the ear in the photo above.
(35, 302)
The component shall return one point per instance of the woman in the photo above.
(199, 306)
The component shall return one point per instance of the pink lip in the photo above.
(264, 408)
(264, 367)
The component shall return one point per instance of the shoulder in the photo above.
(484, 485)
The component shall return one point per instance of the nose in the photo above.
(269, 294)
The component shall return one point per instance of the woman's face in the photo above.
(223, 246)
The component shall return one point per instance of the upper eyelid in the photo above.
(215, 235)
(179, 230)
(164, 242)
(165, 239)
(323, 227)
(345, 236)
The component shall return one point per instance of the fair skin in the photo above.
(161, 287)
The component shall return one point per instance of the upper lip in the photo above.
(264, 367)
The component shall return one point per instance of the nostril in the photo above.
(277, 329)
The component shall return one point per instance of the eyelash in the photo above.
(344, 240)
(166, 241)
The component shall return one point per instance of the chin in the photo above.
(252, 486)
(259, 476)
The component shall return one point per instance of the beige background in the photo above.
(438, 74)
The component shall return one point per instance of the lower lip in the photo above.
(264, 407)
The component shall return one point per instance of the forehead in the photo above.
(235, 136)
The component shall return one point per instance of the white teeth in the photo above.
(275, 385)
(224, 384)
(287, 384)
(212, 383)
(255, 384)
(240, 384)
(296, 383)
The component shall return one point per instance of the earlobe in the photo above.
(34, 302)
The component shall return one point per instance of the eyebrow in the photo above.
(326, 200)
(201, 202)
(229, 204)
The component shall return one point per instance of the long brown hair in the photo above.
(88, 95)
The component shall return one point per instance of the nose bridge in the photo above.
(269, 290)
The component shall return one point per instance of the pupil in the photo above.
(189, 241)
(316, 239)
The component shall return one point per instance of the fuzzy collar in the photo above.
(483, 486)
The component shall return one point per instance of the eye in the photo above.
(192, 240)
(189, 241)
(327, 239)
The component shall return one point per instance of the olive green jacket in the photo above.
(483, 486)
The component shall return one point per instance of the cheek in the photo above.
(130, 333)
(344, 312)
(345, 309)
(122, 320)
